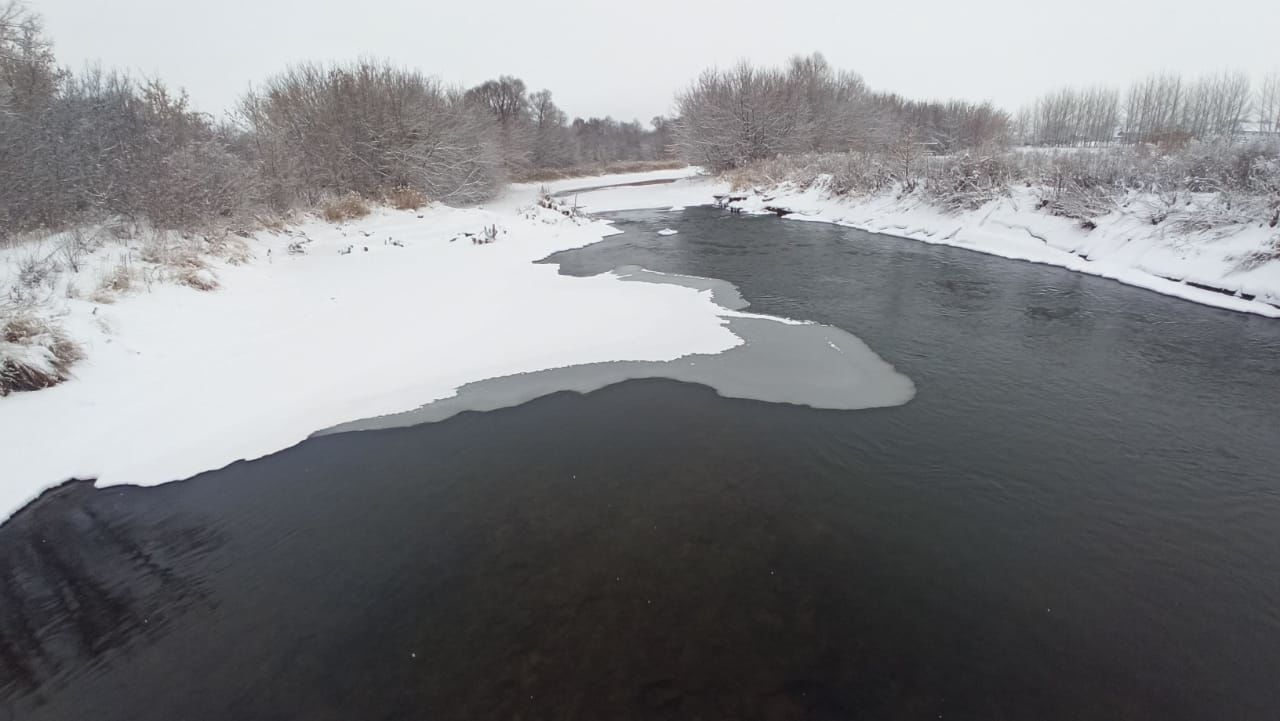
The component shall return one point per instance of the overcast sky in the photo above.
(626, 59)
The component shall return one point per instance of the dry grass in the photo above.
(272, 223)
(34, 353)
(183, 260)
(233, 249)
(406, 198)
(116, 281)
(1267, 254)
(119, 279)
(189, 268)
(197, 277)
(346, 207)
(586, 171)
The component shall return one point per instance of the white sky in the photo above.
(628, 59)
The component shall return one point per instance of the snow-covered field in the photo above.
(1124, 246)
(376, 316)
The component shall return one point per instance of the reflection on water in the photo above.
(77, 583)
(1075, 518)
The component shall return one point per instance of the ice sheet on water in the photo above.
(781, 361)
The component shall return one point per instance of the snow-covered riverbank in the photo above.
(1124, 246)
(371, 317)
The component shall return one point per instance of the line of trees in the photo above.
(728, 118)
(1163, 108)
(1269, 104)
(946, 126)
(99, 142)
(73, 145)
(1072, 116)
(731, 118)
(535, 132)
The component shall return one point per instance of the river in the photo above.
(1076, 517)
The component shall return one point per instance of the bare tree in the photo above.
(29, 75)
(1215, 105)
(1268, 103)
(1073, 116)
(506, 99)
(552, 139)
(1153, 110)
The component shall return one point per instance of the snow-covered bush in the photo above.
(34, 351)
(968, 182)
(1267, 254)
(856, 173)
(37, 271)
(550, 209)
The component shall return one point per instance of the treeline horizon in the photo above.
(730, 118)
(98, 142)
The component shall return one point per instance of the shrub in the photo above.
(230, 248)
(190, 269)
(118, 279)
(346, 207)
(406, 198)
(34, 352)
(968, 183)
(1270, 252)
(198, 278)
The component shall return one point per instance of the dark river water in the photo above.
(1077, 517)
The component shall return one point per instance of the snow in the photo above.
(178, 381)
(684, 191)
(623, 191)
(1124, 246)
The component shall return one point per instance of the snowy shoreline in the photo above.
(1208, 268)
